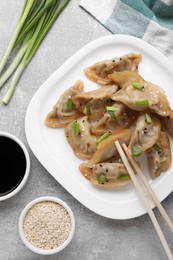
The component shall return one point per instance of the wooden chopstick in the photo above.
(145, 201)
(149, 189)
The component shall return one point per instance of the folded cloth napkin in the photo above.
(151, 20)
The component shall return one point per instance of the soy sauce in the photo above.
(12, 163)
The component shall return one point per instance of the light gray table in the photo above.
(95, 237)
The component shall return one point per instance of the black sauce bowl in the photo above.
(15, 165)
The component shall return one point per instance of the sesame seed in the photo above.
(47, 225)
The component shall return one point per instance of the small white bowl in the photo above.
(27, 170)
(39, 250)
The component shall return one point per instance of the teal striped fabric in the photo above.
(150, 20)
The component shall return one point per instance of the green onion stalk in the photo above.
(16, 61)
(36, 15)
(25, 12)
(36, 20)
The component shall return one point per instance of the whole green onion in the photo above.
(25, 12)
(36, 19)
(38, 10)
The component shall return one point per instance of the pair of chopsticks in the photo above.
(129, 159)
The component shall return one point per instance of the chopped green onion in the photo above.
(138, 85)
(124, 177)
(148, 118)
(136, 151)
(69, 104)
(112, 113)
(102, 179)
(103, 137)
(158, 148)
(88, 110)
(76, 128)
(110, 108)
(142, 102)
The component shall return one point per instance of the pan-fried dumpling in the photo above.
(100, 71)
(78, 134)
(106, 149)
(151, 97)
(106, 174)
(93, 103)
(145, 134)
(159, 156)
(117, 117)
(62, 113)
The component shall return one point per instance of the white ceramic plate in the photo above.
(50, 145)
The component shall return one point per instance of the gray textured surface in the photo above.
(95, 237)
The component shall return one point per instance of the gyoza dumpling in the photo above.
(105, 167)
(106, 174)
(93, 103)
(64, 110)
(159, 156)
(117, 117)
(100, 71)
(149, 98)
(145, 134)
(78, 134)
(107, 149)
